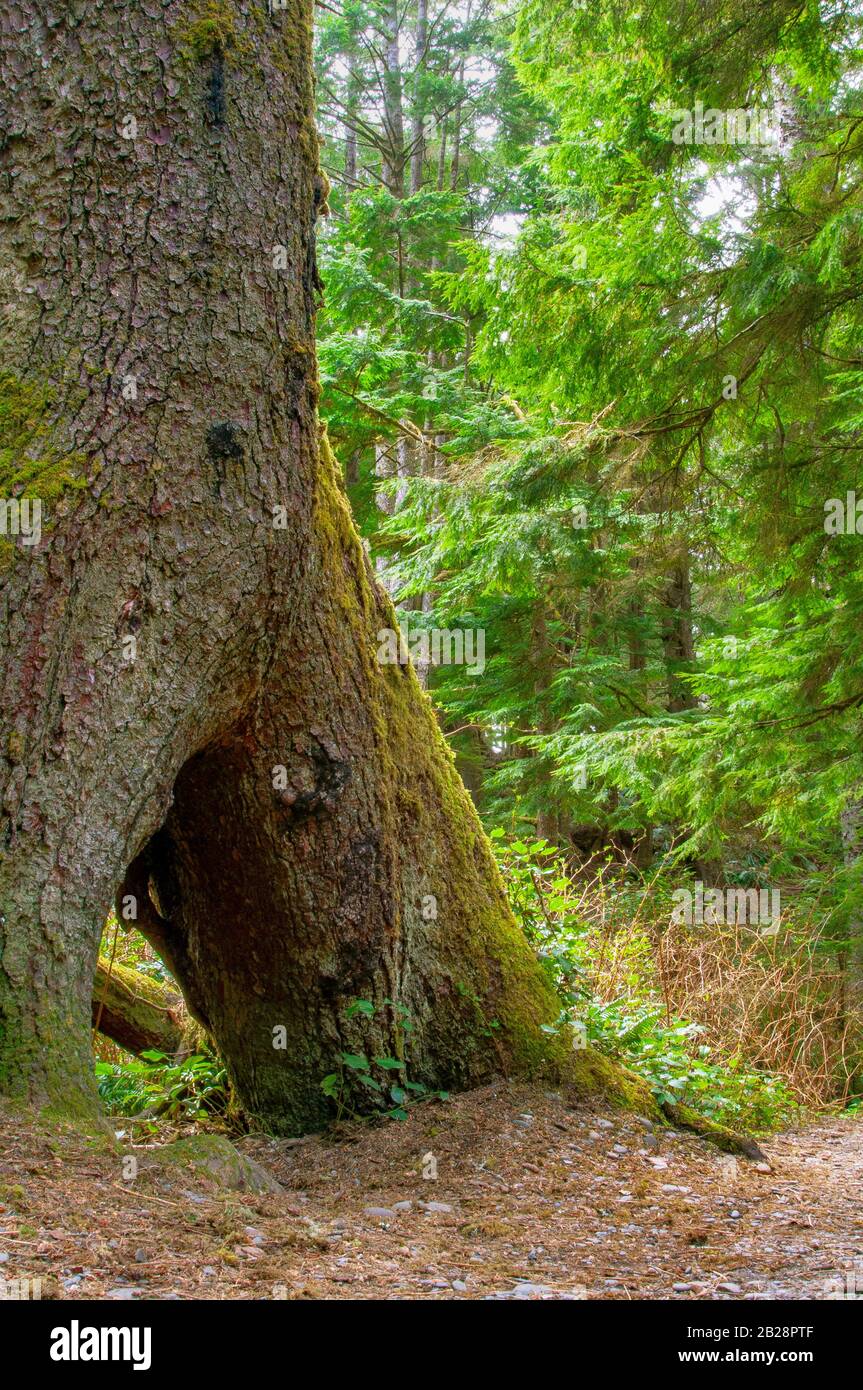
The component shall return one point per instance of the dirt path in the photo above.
(532, 1199)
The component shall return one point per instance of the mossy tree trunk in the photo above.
(136, 1011)
(193, 716)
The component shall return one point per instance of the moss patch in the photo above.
(215, 1156)
(29, 466)
(211, 33)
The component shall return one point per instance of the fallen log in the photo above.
(135, 1010)
(726, 1139)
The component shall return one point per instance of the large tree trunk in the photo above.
(192, 708)
(353, 102)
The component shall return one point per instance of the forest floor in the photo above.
(534, 1198)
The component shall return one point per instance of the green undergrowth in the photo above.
(628, 1046)
(194, 1089)
(635, 1026)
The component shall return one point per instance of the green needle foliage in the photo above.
(598, 390)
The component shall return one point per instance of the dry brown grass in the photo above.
(780, 1003)
(776, 1001)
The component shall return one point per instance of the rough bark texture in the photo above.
(282, 808)
(134, 1011)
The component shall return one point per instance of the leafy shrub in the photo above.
(193, 1089)
(123, 1086)
(574, 930)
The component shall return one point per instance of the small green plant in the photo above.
(543, 897)
(488, 1026)
(354, 1085)
(679, 1069)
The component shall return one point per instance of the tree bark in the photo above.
(441, 158)
(136, 1011)
(192, 704)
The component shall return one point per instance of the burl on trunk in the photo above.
(193, 716)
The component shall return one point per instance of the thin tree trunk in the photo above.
(385, 469)
(643, 856)
(350, 127)
(677, 642)
(679, 655)
(352, 468)
(441, 158)
(418, 114)
(394, 157)
(456, 139)
(542, 663)
(193, 704)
